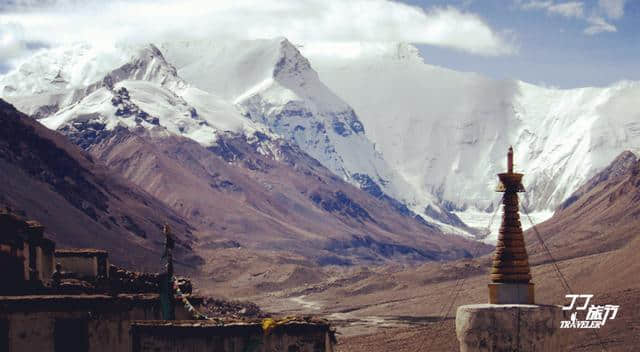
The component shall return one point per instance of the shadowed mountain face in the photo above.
(256, 192)
(602, 215)
(267, 194)
(79, 201)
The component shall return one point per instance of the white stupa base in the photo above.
(510, 327)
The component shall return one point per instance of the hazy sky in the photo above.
(552, 42)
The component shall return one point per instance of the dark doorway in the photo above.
(71, 335)
(33, 272)
(102, 266)
(4, 335)
(13, 271)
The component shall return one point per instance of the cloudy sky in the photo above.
(560, 43)
(551, 42)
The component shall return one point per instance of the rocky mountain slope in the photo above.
(79, 200)
(266, 194)
(602, 215)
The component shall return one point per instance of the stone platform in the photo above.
(510, 327)
(205, 336)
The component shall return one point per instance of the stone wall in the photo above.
(25, 241)
(26, 255)
(102, 322)
(46, 264)
(83, 266)
(202, 336)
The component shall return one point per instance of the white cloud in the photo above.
(612, 8)
(13, 43)
(535, 4)
(11, 40)
(568, 9)
(598, 25)
(299, 20)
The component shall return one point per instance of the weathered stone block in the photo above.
(510, 327)
(508, 293)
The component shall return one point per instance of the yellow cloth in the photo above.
(268, 324)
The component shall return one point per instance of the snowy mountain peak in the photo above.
(290, 62)
(408, 52)
(55, 78)
(148, 64)
(273, 85)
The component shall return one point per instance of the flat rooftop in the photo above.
(57, 303)
(80, 252)
(205, 328)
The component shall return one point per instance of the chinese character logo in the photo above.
(596, 317)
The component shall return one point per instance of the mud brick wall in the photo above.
(239, 337)
(91, 323)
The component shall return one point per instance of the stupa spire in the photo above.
(512, 321)
(510, 272)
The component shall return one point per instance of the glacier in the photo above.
(446, 132)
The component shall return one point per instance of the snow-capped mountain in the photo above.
(237, 87)
(142, 90)
(420, 137)
(446, 132)
(233, 175)
(272, 84)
